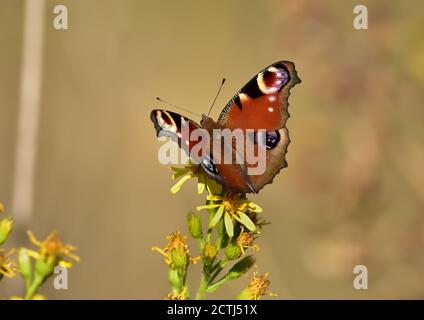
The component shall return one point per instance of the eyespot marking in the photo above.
(271, 140)
(272, 80)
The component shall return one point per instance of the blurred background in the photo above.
(352, 194)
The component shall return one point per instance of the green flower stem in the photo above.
(209, 234)
(187, 292)
(202, 288)
(205, 279)
(217, 284)
(32, 289)
(201, 244)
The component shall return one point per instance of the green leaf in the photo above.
(241, 267)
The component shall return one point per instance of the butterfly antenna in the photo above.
(173, 105)
(217, 94)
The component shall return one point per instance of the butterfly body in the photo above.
(260, 105)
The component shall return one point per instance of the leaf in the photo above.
(240, 268)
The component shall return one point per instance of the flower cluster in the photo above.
(232, 229)
(7, 264)
(35, 266)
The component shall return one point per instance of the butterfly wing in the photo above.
(262, 105)
(174, 126)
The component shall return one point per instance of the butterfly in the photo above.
(260, 105)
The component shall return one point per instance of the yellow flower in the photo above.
(192, 170)
(258, 287)
(231, 207)
(52, 247)
(7, 265)
(6, 226)
(176, 250)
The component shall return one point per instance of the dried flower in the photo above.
(52, 249)
(177, 296)
(258, 287)
(245, 241)
(7, 265)
(176, 250)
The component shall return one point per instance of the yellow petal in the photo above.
(245, 220)
(65, 264)
(229, 225)
(33, 254)
(207, 206)
(201, 184)
(254, 207)
(212, 197)
(176, 187)
(33, 239)
(217, 217)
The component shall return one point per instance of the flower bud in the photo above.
(194, 225)
(209, 253)
(25, 264)
(246, 294)
(179, 257)
(6, 226)
(45, 267)
(233, 251)
(258, 287)
(174, 278)
(240, 268)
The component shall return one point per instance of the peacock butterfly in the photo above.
(261, 105)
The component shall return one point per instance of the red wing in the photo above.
(262, 102)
